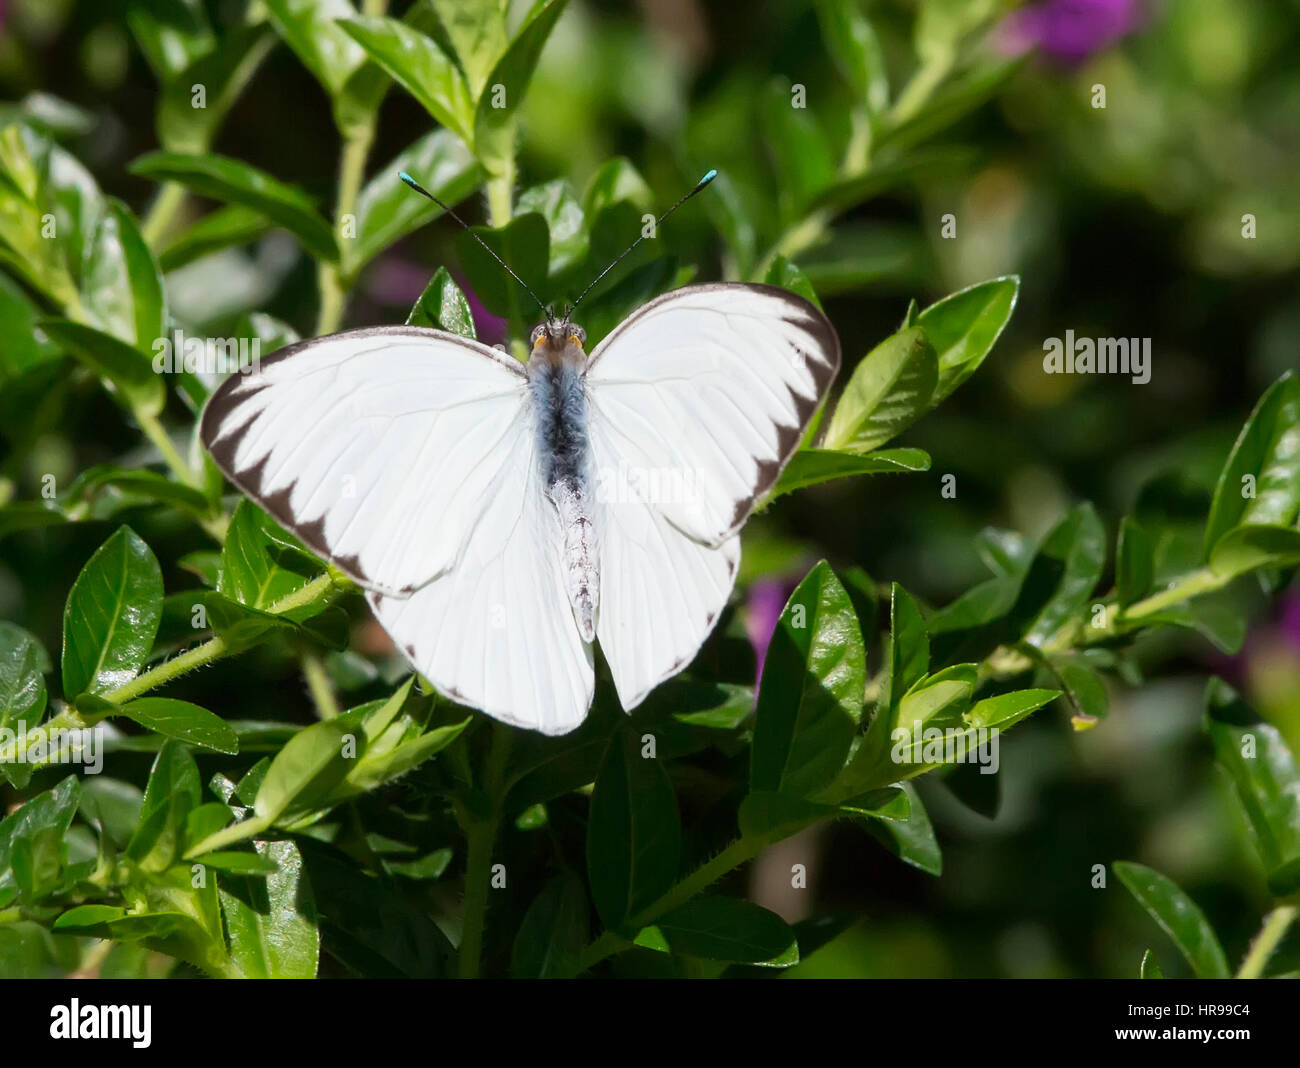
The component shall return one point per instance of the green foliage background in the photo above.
(274, 212)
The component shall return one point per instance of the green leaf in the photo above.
(442, 306)
(22, 680)
(257, 567)
(1260, 482)
(126, 371)
(420, 67)
(724, 929)
(235, 182)
(36, 832)
(121, 283)
(1006, 710)
(507, 84)
(889, 390)
(1265, 778)
(912, 839)
(1062, 575)
(810, 695)
(1178, 916)
(183, 721)
(271, 921)
(173, 792)
(111, 616)
(785, 274)
(633, 834)
(800, 152)
(171, 33)
(964, 327)
(525, 245)
(558, 205)
(810, 467)
(853, 45)
(1134, 562)
(223, 228)
(553, 931)
(616, 182)
(310, 765)
(311, 29)
(184, 125)
(387, 210)
(1087, 692)
(1253, 546)
(477, 33)
(1149, 969)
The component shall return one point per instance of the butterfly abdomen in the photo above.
(560, 404)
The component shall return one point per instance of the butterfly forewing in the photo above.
(697, 402)
(378, 448)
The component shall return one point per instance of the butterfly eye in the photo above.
(536, 335)
(577, 334)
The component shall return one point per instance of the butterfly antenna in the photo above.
(699, 186)
(486, 247)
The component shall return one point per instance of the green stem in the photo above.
(319, 686)
(481, 832)
(1266, 942)
(335, 278)
(1190, 585)
(154, 431)
(501, 192)
(162, 212)
(920, 88)
(736, 854)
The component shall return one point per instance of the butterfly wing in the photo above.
(697, 401)
(405, 456)
(496, 631)
(378, 448)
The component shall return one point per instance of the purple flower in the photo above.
(1069, 31)
(763, 608)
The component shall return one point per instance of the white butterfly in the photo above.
(502, 518)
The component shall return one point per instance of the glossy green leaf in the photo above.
(616, 182)
(785, 274)
(171, 33)
(1253, 546)
(442, 306)
(889, 390)
(525, 245)
(271, 920)
(810, 467)
(853, 45)
(810, 695)
(1260, 482)
(232, 181)
(223, 228)
(964, 327)
(257, 568)
(565, 222)
(111, 615)
(1178, 916)
(477, 34)
(188, 122)
(912, 840)
(553, 931)
(387, 210)
(1134, 561)
(22, 680)
(420, 67)
(1063, 574)
(35, 833)
(1265, 778)
(183, 721)
(1149, 968)
(724, 929)
(173, 791)
(126, 371)
(507, 83)
(633, 833)
(311, 28)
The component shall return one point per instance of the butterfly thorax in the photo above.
(555, 377)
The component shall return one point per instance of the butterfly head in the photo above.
(558, 340)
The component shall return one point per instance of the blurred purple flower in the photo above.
(1069, 31)
(763, 608)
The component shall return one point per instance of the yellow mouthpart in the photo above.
(574, 338)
